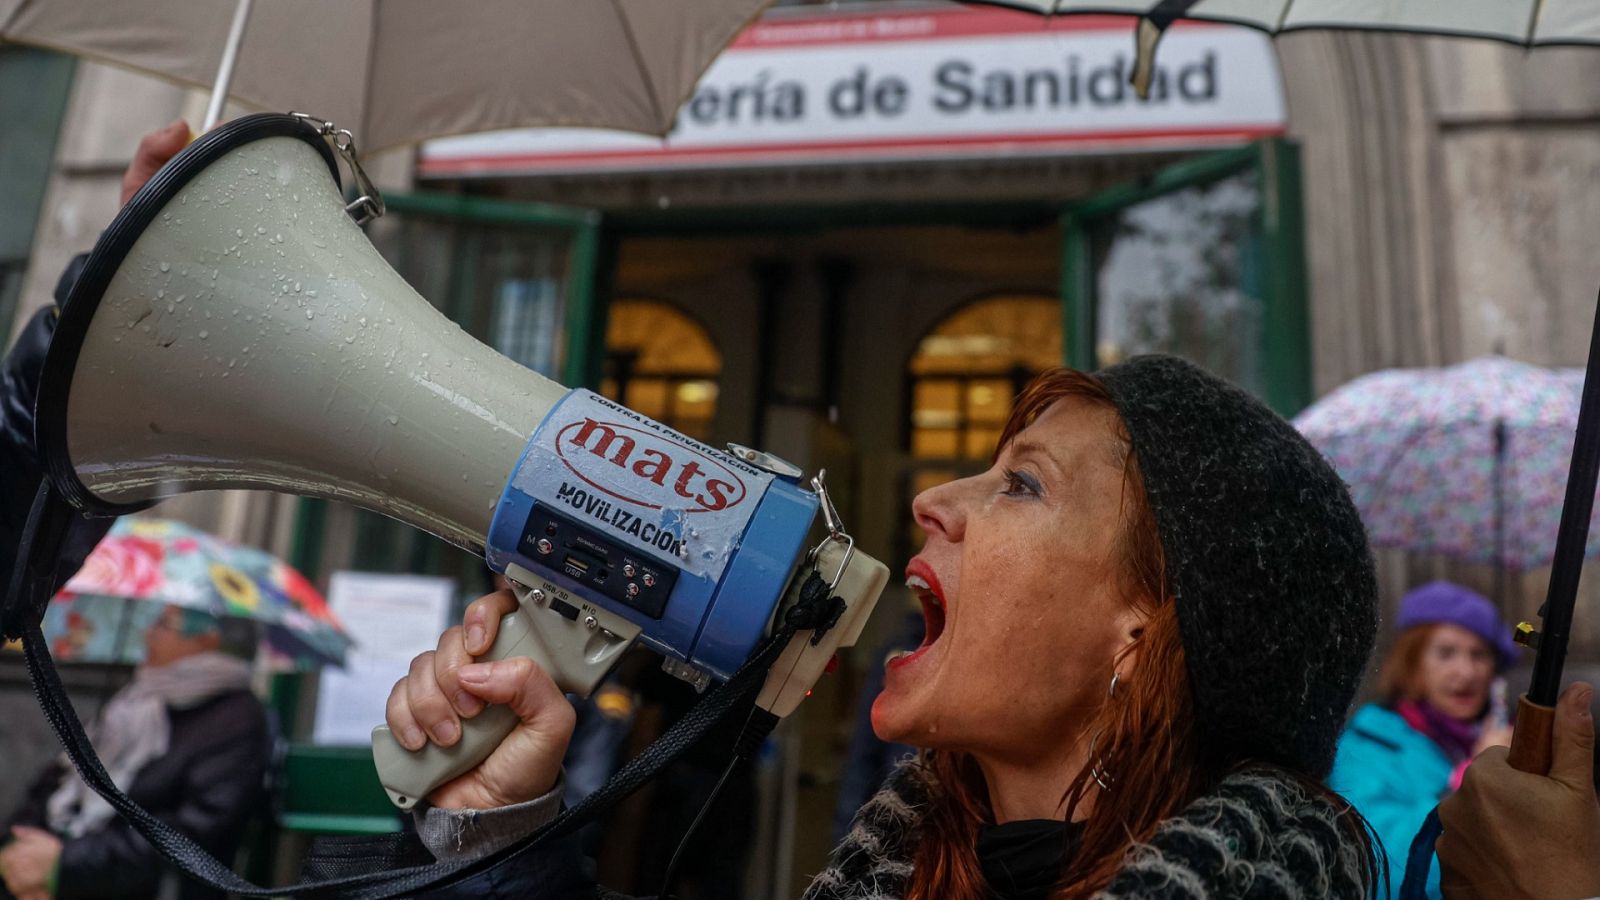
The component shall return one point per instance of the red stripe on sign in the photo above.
(925, 25)
(963, 144)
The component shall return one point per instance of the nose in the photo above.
(1464, 668)
(942, 511)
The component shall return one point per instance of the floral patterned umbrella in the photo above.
(93, 618)
(1468, 461)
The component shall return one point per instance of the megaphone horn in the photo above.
(234, 328)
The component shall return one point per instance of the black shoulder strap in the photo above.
(30, 589)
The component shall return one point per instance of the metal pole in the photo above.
(230, 58)
(1573, 536)
(1500, 579)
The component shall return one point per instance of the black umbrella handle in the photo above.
(1566, 568)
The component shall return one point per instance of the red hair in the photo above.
(1145, 740)
(1401, 675)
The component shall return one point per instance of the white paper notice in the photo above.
(392, 618)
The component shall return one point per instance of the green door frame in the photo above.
(584, 309)
(1286, 356)
(35, 85)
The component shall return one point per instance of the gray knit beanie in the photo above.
(1266, 556)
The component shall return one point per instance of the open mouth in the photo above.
(933, 612)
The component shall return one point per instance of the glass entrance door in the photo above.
(1205, 261)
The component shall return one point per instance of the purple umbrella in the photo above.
(1468, 461)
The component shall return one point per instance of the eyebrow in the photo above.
(1021, 446)
(1117, 458)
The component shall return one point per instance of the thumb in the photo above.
(176, 134)
(1572, 744)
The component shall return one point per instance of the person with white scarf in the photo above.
(186, 739)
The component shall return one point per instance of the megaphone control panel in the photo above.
(586, 557)
(687, 542)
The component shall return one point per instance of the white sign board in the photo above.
(909, 84)
(641, 482)
(392, 618)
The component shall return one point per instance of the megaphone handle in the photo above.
(409, 776)
(1531, 741)
(575, 642)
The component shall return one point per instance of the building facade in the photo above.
(864, 294)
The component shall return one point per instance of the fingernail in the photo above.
(413, 738)
(474, 672)
(474, 637)
(444, 732)
(467, 703)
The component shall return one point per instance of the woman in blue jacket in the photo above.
(1404, 753)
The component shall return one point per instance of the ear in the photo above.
(1129, 623)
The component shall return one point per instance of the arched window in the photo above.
(663, 364)
(963, 377)
(966, 371)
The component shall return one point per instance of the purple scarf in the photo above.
(1456, 738)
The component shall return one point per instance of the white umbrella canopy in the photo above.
(1527, 23)
(400, 71)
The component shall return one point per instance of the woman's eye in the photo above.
(1020, 484)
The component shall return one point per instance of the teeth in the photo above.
(918, 583)
(898, 654)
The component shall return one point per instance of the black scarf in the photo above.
(1260, 834)
(1023, 860)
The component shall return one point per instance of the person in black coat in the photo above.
(186, 739)
(21, 469)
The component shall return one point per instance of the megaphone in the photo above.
(235, 328)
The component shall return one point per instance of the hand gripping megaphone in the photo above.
(234, 328)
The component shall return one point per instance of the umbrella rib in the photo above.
(638, 62)
(364, 115)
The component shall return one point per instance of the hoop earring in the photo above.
(1095, 771)
(1114, 676)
